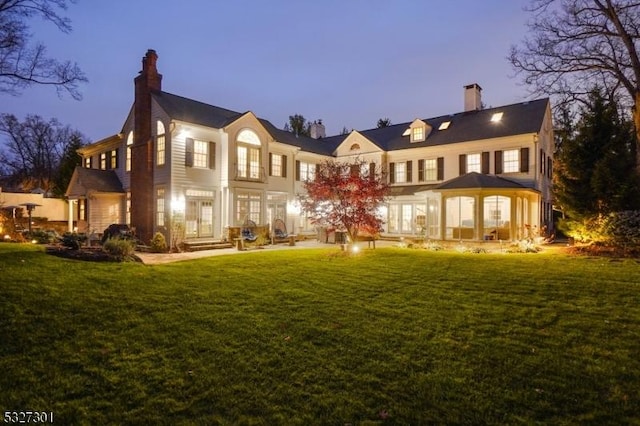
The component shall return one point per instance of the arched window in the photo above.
(160, 144)
(249, 155)
(354, 147)
(128, 155)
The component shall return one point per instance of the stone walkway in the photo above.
(159, 258)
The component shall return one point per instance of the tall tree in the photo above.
(34, 150)
(298, 125)
(68, 162)
(383, 122)
(23, 64)
(594, 173)
(575, 44)
(347, 196)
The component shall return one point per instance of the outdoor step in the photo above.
(206, 245)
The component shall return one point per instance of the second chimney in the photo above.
(472, 97)
(317, 130)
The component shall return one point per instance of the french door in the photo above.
(199, 218)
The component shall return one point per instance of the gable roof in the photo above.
(517, 119)
(191, 111)
(479, 180)
(95, 180)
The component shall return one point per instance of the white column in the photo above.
(70, 220)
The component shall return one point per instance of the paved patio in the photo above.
(159, 258)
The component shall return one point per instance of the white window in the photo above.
(160, 207)
(200, 154)
(248, 208)
(160, 144)
(248, 155)
(103, 161)
(511, 161)
(431, 169)
(114, 159)
(277, 165)
(474, 163)
(417, 134)
(87, 162)
(128, 155)
(496, 117)
(401, 172)
(307, 171)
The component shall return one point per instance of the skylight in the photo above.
(496, 117)
(407, 132)
(444, 125)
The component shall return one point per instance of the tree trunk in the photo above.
(636, 122)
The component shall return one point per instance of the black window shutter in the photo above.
(524, 160)
(188, 153)
(485, 162)
(212, 155)
(440, 168)
(284, 166)
(317, 172)
(498, 165)
(542, 161)
(372, 171)
(297, 169)
(409, 171)
(108, 165)
(420, 170)
(270, 164)
(117, 152)
(463, 163)
(549, 167)
(392, 172)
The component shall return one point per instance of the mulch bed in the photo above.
(605, 251)
(91, 254)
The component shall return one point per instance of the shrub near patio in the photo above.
(319, 337)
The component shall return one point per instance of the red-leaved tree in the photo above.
(346, 196)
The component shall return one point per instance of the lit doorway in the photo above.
(198, 218)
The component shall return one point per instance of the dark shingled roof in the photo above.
(517, 119)
(191, 111)
(521, 118)
(478, 180)
(84, 179)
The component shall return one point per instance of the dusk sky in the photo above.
(347, 62)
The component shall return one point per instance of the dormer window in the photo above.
(419, 130)
(496, 117)
(417, 134)
(444, 125)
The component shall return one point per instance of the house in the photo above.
(179, 163)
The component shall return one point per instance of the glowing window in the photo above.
(417, 134)
(248, 136)
(496, 117)
(160, 144)
(473, 163)
(160, 207)
(200, 154)
(431, 169)
(511, 161)
(103, 161)
(401, 172)
(128, 155)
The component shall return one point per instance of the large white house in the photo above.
(474, 175)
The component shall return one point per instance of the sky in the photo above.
(347, 62)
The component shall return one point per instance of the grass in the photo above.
(389, 336)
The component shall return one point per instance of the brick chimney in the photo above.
(317, 130)
(142, 196)
(472, 97)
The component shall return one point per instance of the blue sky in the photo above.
(347, 62)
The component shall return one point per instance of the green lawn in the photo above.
(390, 336)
